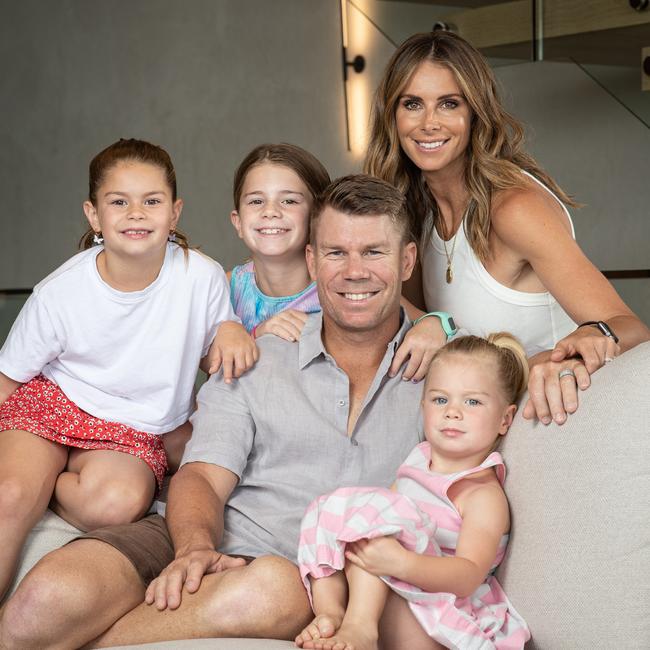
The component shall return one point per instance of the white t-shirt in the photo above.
(128, 357)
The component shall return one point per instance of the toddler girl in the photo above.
(273, 191)
(420, 557)
(102, 359)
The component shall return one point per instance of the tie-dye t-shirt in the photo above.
(254, 307)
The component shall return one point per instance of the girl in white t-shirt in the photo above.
(102, 359)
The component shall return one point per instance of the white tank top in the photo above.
(481, 305)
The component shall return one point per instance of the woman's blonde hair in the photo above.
(130, 150)
(506, 351)
(494, 156)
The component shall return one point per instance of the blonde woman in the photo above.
(496, 239)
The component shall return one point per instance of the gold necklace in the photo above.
(450, 256)
(449, 275)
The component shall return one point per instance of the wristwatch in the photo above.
(603, 327)
(446, 320)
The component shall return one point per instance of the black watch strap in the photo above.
(603, 327)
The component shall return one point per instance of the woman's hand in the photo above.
(420, 344)
(233, 350)
(591, 344)
(286, 324)
(380, 556)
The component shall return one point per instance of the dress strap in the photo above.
(493, 460)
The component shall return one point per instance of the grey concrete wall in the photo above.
(207, 79)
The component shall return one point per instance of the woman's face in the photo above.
(433, 120)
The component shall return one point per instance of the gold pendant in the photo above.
(450, 274)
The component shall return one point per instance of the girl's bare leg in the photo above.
(175, 442)
(400, 629)
(29, 466)
(329, 596)
(103, 488)
(360, 627)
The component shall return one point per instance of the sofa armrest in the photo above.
(578, 564)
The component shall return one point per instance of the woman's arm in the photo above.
(422, 340)
(485, 521)
(530, 227)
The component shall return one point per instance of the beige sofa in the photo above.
(578, 565)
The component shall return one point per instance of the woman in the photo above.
(496, 239)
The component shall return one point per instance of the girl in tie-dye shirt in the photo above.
(274, 190)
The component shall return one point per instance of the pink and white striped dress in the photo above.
(423, 519)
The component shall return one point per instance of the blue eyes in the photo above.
(441, 401)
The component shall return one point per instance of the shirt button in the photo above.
(341, 402)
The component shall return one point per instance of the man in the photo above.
(312, 416)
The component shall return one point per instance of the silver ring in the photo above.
(567, 372)
(608, 359)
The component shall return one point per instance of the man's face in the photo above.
(359, 264)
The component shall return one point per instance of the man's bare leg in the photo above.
(224, 606)
(400, 629)
(330, 597)
(360, 627)
(69, 597)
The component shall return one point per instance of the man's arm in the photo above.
(195, 512)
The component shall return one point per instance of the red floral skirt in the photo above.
(42, 408)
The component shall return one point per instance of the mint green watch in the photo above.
(446, 320)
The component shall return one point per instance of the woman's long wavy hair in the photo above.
(494, 156)
(130, 150)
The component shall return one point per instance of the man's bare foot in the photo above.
(323, 626)
(351, 635)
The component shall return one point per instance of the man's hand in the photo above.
(186, 571)
(286, 324)
(420, 344)
(553, 388)
(380, 556)
(233, 349)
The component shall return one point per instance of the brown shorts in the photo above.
(145, 543)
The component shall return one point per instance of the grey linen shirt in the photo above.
(282, 429)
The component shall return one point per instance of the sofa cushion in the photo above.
(578, 565)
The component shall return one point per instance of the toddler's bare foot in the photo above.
(351, 635)
(323, 626)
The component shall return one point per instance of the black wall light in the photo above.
(358, 64)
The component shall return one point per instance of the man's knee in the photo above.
(264, 598)
(44, 592)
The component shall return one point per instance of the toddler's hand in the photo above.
(380, 556)
(286, 324)
(420, 344)
(233, 350)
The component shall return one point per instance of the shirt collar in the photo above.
(310, 345)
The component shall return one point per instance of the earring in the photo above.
(172, 236)
(98, 239)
